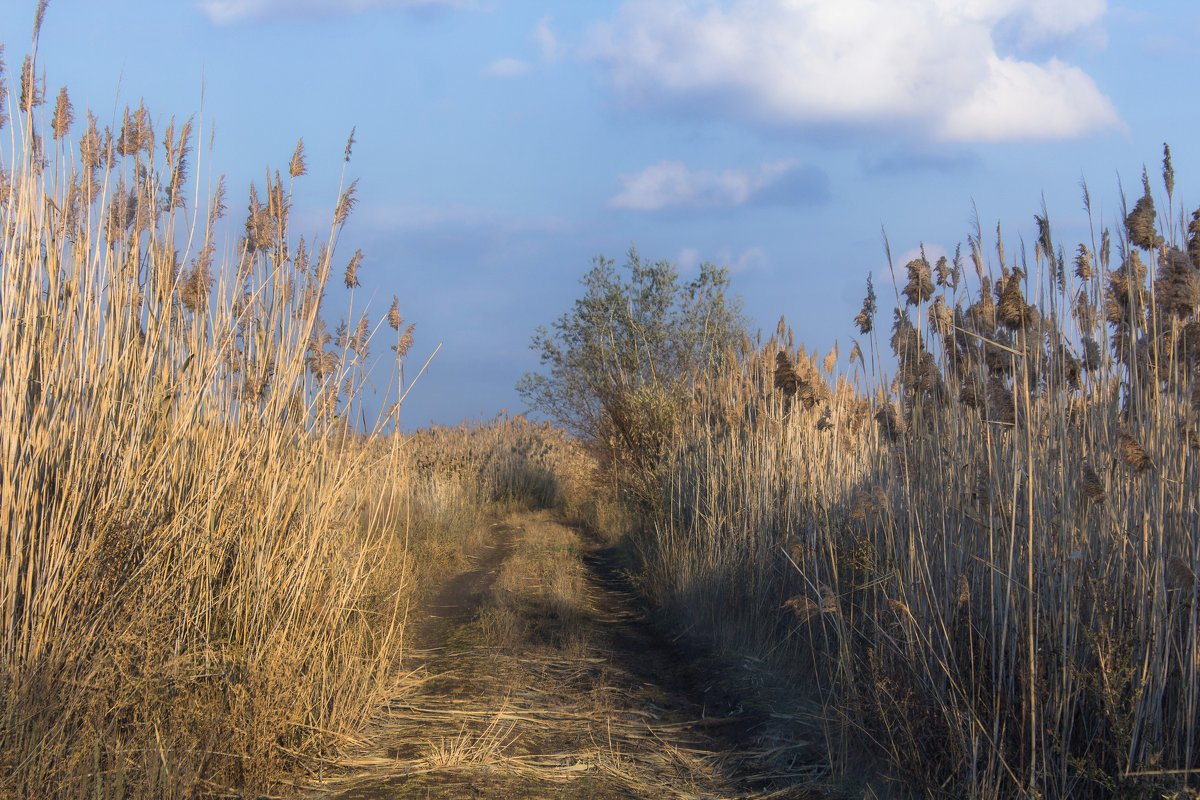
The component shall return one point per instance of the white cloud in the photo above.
(224, 12)
(748, 260)
(1019, 100)
(672, 185)
(507, 68)
(688, 260)
(928, 65)
(752, 258)
(546, 39)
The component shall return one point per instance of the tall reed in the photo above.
(986, 562)
(195, 591)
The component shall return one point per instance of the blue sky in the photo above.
(503, 145)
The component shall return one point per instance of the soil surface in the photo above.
(536, 673)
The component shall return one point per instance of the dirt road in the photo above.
(538, 676)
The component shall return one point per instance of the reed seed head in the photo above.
(920, 282)
(1014, 313)
(351, 275)
(889, 422)
(394, 319)
(406, 341)
(786, 380)
(1139, 225)
(982, 313)
(362, 336)
(346, 203)
(1168, 170)
(945, 273)
(1001, 408)
(865, 319)
(831, 359)
(941, 318)
(1133, 453)
(64, 115)
(829, 600)
(31, 92)
(972, 392)
(297, 167)
(1093, 485)
(1084, 269)
(1177, 287)
(802, 607)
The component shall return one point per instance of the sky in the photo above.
(502, 145)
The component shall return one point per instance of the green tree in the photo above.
(619, 368)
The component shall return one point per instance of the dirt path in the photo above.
(539, 677)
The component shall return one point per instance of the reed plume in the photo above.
(1132, 452)
(920, 284)
(1139, 224)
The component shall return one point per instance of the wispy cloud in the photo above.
(224, 12)
(507, 68)
(672, 185)
(549, 49)
(552, 49)
(930, 66)
(748, 260)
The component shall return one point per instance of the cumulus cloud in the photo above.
(672, 185)
(507, 68)
(224, 12)
(930, 65)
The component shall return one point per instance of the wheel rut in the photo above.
(537, 673)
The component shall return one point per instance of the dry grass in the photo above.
(543, 705)
(199, 586)
(540, 595)
(507, 462)
(986, 563)
(207, 571)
